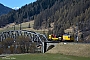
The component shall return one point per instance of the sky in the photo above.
(15, 3)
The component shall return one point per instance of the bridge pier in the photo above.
(44, 45)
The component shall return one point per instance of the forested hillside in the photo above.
(4, 9)
(27, 12)
(63, 13)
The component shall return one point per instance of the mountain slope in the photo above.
(4, 9)
(63, 13)
(27, 12)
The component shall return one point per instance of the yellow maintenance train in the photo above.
(65, 37)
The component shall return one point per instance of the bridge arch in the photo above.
(35, 37)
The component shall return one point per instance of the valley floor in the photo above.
(43, 57)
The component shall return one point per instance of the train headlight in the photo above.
(59, 38)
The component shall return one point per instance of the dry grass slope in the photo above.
(72, 49)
